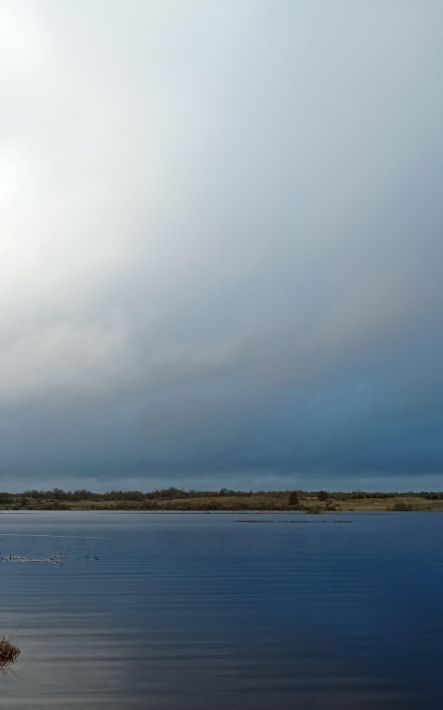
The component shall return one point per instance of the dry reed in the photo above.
(8, 653)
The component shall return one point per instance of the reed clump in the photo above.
(8, 652)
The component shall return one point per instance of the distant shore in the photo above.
(173, 499)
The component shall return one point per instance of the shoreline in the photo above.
(225, 500)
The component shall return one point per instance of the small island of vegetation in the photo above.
(8, 653)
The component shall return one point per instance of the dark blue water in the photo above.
(193, 612)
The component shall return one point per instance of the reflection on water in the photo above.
(191, 612)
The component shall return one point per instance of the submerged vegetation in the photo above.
(225, 499)
(8, 653)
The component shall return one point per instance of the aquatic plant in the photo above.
(8, 653)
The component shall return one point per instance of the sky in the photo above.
(221, 244)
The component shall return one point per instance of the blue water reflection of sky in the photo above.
(192, 611)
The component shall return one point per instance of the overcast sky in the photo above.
(221, 243)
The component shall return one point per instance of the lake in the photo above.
(223, 611)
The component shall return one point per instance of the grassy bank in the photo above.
(180, 500)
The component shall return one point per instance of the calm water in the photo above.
(193, 612)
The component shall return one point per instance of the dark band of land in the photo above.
(174, 499)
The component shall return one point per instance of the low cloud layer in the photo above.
(220, 244)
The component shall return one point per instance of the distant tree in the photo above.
(294, 498)
(322, 495)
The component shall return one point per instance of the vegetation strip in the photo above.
(175, 499)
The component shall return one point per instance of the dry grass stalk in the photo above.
(8, 652)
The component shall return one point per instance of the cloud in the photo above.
(220, 242)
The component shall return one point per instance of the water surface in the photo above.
(194, 611)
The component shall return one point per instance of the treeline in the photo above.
(172, 493)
